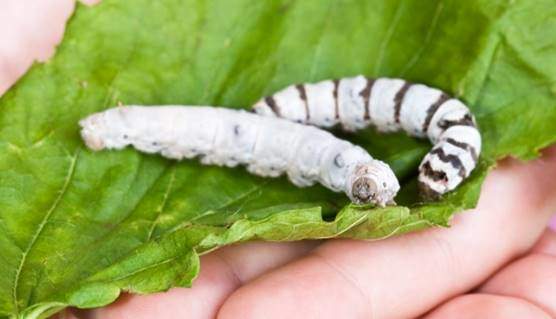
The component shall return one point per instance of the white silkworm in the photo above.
(390, 105)
(268, 146)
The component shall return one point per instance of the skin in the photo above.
(497, 261)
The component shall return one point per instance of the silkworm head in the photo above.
(373, 183)
(364, 190)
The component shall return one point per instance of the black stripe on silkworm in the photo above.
(272, 103)
(432, 110)
(426, 192)
(464, 146)
(365, 94)
(398, 99)
(303, 95)
(466, 120)
(454, 160)
(432, 174)
(335, 95)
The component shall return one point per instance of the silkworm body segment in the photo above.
(390, 105)
(267, 146)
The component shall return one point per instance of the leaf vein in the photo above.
(160, 210)
(388, 38)
(40, 228)
(432, 27)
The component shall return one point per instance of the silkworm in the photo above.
(267, 146)
(390, 105)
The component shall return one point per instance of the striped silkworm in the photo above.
(390, 105)
(267, 146)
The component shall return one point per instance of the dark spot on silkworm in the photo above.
(301, 89)
(338, 161)
(466, 120)
(384, 184)
(335, 95)
(303, 95)
(432, 174)
(236, 130)
(299, 121)
(365, 94)
(272, 104)
(398, 99)
(432, 110)
(464, 146)
(125, 136)
(154, 143)
(454, 160)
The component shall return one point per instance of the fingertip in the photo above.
(531, 278)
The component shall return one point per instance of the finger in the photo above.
(30, 31)
(408, 275)
(532, 278)
(222, 272)
(547, 243)
(487, 306)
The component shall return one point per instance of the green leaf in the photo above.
(78, 227)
